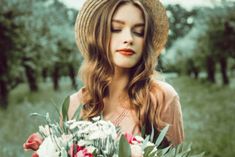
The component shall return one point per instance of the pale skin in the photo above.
(127, 32)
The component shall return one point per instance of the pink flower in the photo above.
(35, 154)
(131, 139)
(33, 142)
(78, 151)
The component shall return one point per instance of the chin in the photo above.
(126, 66)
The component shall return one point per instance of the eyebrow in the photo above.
(122, 22)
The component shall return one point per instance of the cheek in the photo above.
(112, 44)
(141, 44)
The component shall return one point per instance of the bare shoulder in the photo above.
(75, 101)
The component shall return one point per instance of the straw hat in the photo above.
(90, 6)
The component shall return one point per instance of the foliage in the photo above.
(209, 41)
(97, 138)
(181, 21)
(35, 36)
(208, 118)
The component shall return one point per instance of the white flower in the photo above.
(47, 148)
(91, 149)
(65, 139)
(96, 118)
(139, 138)
(136, 150)
(84, 142)
(45, 130)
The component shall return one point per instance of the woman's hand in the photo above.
(33, 142)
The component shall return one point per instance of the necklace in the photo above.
(120, 117)
(116, 119)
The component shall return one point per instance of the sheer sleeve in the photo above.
(171, 114)
(75, 102)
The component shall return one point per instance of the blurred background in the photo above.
(39, 61)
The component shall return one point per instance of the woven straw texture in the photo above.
(90, 6)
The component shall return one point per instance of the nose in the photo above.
(127, 37)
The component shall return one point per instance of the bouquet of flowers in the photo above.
(95, 138)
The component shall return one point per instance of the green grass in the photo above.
(208, 112)
(16, 123)
(209, 119)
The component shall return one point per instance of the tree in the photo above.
(209, 42)
(181, 21)
(31, 33)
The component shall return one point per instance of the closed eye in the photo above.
(116, 30)
(140, 34)
(139, 31)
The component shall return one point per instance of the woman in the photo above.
(120, 41)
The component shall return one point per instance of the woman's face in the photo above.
(127, 36)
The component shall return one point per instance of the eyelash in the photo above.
(119, 30)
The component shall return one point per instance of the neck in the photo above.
(119, 82)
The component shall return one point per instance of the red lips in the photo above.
(126, 52)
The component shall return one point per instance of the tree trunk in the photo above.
(31, 78)
(195, 72)
(55, 77)
(72, 75)
(3, 94)
(5, 45)
(3, 82)
(44, 74)
(210, 69)
(223, 69)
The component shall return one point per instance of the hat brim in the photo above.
(89, 8)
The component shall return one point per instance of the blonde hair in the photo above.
(97, 69)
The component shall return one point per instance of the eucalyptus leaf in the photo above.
(124, 147)
(165, 150)
(153, 153)
(64, 153)
(152, 133)
(182, 151)
(161, 136)
(146, 140)
(199, 155)
(77, 112)
(65, 107)
(148, 150)
(56, 108)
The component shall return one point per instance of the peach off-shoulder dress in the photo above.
(170, 113)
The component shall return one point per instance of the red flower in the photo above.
(78, 151)
(131, 139)
(33, 142)
(35, 154)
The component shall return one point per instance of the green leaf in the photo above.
(146, 140)
(153, 154)
(182, 150)
(124, 147)
(77, 113)
(165, 150)
(199, 155)
(56, 108)
(64, 153)
(65, 107)
(161, 136)
(148, 150)
(152, 134)
(143, 131)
